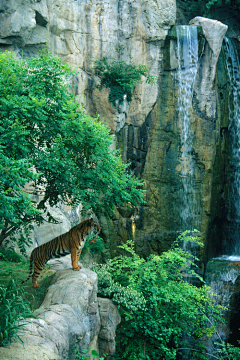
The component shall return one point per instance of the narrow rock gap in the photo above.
(40, 20)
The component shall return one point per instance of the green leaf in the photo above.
(94, 353)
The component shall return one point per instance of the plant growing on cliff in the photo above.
(120, 77)
(157, 305)
(48, 140)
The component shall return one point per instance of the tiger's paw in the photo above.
(77, 268)
(35, 286)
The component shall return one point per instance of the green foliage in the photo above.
(227, 352)
(19, 272)
(207, 8)
(84, 354)
(13, 310)
(121, 77)
(157, 305)
(10, 255)
(94, 245)
(16, 206)
(48, 140)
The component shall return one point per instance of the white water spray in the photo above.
(223, 272)
(187, 51)
(233, 68)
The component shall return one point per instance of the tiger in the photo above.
(71, 242)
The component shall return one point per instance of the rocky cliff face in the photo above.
(82, 32)
(148, 131)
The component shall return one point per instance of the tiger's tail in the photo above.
(30, 269)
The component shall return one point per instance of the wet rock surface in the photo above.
(223, 276)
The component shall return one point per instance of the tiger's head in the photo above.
(95, 228)
(87, 227)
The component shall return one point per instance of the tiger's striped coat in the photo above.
(71, 242)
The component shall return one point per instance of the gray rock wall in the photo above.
(82, 32)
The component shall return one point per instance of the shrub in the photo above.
(13, 310)
(43, 128)
(120, 77)
(94, 245)
(159, 308)
(84, 354)
(227, 352)
(10, 255)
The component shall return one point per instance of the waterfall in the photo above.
(187, 54)
(222, 273)
(232, 244)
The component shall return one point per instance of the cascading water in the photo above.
(222, 273)
(187, 53)
(232, 230)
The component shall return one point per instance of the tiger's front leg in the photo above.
(75, 259)
(78, 254)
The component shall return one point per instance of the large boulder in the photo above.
(206, 94)
(27, 352)
(68, 315)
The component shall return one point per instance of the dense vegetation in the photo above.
(162, 313)
(207, 8)
(48, 140)
(17, 301)
(93, 245)
(13, 308)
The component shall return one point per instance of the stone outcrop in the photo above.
(110, 318)
(70, 313)
(28, 352)
(223, 276)
(206, 94)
